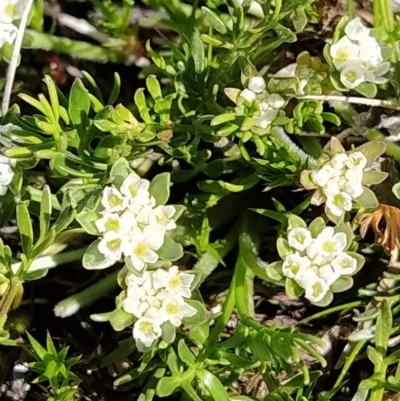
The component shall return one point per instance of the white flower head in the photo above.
(370, 51)
(316, 290)
(113, 200)
(356, 160)
(331, 243)
(344, 264)
(353, 75)
(161, 218)
(375, 72)
(111, 245)
(294, 265)
(174, 309)
(256, 84)
(248, 95)
(299, 238)
(114, 222)
(142, 245)
(266, 117)
(356, 30)
(276, 101)
(338, 162)
(306, 277)
(331, 188)
(328, 274)
(8, 34)
(323, 175)
(133, 184)
(339, 204)
(146, 331)
(11, 10)
(343, 52)
(174, 282)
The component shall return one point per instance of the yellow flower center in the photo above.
(146, 328)
(141, 249)
(351, 76)
(114, 244)
(161, 219)
(133, 190)
(338, 199)
(294, 268)
(112, 225)
(329, 246)
(10, 10)
(300, 238)
(172, 309)
(342, 56)
(175, 282)
(317, 289)
(114, 201)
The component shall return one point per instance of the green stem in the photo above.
(12, 68)
(6, 303)
(49, 262)
(350, 8)
(74, 303)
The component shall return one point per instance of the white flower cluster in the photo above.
(6, 173)
(316, 263)
(358, 56)
(155, 298)
(10, 10)
(340, 181)
(269, 104)
(131, 224)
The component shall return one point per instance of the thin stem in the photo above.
(350, 8)
(69, 306)
(49, 262)
(388, 104)
(12, 68)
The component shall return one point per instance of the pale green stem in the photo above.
(49, 262)
(71, 305)
(12, 68)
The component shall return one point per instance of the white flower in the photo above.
(142, 245)
(306, 277)
(294, 265)
(161, 218)
(7, 129)
(331, 243)
(353, 75)
(299, 238)
(255, 8)
(276, 101)
(331, 188)
(356, 160)
(111, 245)
(115, 222)
(256, 84)
(174, 282)
(374, 73)
(328, 274)
(248, 95)
(11, 10)
(146, 331)
(133, 185)
(316, 290)
(323, 175)
(353, 188)
(343, 52)
(6, 176)
(174, 309)
(113, 200)
(344, 264)
(338, 162)
(370, 51)
(8, 34)
(339, 204)
(356, 30)
(266, 118)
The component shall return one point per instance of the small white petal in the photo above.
(356, 30)
(299, 238)
(256, 84)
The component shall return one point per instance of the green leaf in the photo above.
(199, 333)
(198, 56)
(159, 188)
(167, 385)
(274, 271)
(25, 227)
(368, 199)
(45, 212)
(342, 284)
(284, 34)
(374, 177)
(222, 118)
(316, 226)
(367, 89)
(283, 248)
(296, 221)
(213, 20)
(213, 385)
(384, 324)
(371, 150)
(120, 320)
(168, 332)
(120, 170)
(115, 89)
(170, 250)
(55, 105)
(325, 301)
(40, 351)
(185, 354)
(79, 105)
(153, 86)
(200, 317)
(346, 229)
(374, 356)
(94, 260)
(293, 290)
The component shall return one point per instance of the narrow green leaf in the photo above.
(25, 227)
(213, 20)
(45, 211)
